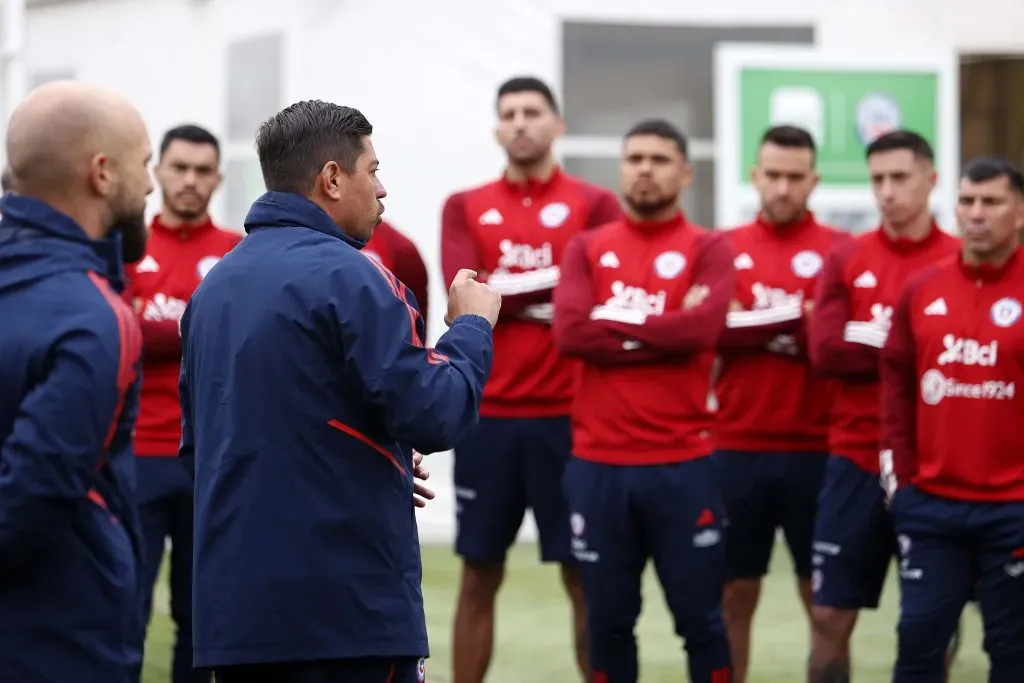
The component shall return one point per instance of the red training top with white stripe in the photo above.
(513, 235)
(953, 382)
(769, 398)
(859, 287)
(399, 254)
(643, 305)
(160, 285)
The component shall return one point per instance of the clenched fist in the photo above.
(469, 297)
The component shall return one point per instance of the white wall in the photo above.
(116, 43)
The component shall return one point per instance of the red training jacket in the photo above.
(513, 235)
(769, 397)
(952, 371)
(397, 253)
(622, 307)
(160, 285)
(859, 286)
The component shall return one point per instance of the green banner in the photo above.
(845, 110)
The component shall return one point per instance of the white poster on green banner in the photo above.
(845, 101)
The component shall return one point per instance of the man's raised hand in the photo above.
(466, 296)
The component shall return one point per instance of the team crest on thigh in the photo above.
(1005, 312)
(421, 670)
(577, 524)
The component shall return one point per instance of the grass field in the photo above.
(533, 630)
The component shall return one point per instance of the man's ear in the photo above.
(331, 180)
(101, 175)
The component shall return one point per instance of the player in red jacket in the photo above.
(772, 434)
(953, 435)
(399, 254)
(183, 246)
(512, 231)
(854, 541)
(642, 302)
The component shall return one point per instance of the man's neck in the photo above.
(173, 221)
(541, 170)
(88, 220)
(914, 230)
(995, 258)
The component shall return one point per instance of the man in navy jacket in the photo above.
(69, 532)
(305, 387)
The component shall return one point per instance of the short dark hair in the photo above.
(6, 180)
(189, 132)
(294, 144)
(662, 129)
(527, 84)
(901, 139)
(983, 169)
(791, 137)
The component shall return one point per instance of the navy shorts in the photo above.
(854, 542)
(368, 670)
(502, 467)
(624, 516)
(949, 549)
(764, 492)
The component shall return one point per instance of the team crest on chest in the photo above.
(1005, 312)
(669, 265)
(554, 215)
(205, 265)
(806, 263)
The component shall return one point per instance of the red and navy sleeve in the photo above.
(429, 396)
(66, 424)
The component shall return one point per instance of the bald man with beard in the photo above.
(69, 532)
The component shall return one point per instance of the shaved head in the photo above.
(85, 151)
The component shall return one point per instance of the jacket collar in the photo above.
(289, 210)
(26, 218)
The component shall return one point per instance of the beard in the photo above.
(528, 155)
(782, 214)
(134, 235)
(650, 207)
(187, 214)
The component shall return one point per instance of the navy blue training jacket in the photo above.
(69, 531)
(305, 385)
